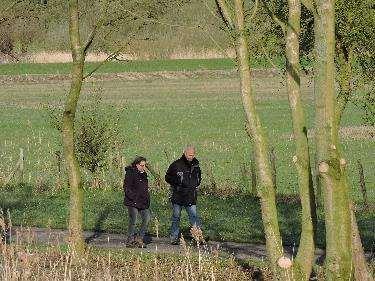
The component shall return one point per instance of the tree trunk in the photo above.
(266, 189)
(304, 261)
(331, 166)
(76, 196)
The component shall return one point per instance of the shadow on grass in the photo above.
(13, 197)
(98, 228)
(239, 219)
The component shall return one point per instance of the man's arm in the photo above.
(171, 176)
(199, 175)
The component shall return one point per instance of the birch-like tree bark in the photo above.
(331, 166)
(266, 189)
(305, 257)
(76, 240)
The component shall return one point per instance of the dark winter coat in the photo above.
(136, 189)
(184, 178)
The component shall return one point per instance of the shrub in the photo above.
(97, 135)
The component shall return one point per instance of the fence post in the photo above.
(362, 183)
(21, 163)
(253, 175)
(273, 165)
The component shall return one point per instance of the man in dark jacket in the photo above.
(184, 176)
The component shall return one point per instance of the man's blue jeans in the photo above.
(193, 218)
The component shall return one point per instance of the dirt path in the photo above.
(240, 251)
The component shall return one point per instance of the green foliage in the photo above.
(355, 25)
(20, 24)
(97, 134)
(355, 36)
(267, 38)
(366, 102)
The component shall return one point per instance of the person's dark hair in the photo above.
(138, 160)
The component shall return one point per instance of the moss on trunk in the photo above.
(304, 261)
(76, 240)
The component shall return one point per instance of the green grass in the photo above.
(234, 218)
(131, 66)
(158, 117)
(118, 67)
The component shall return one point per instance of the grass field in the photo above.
(159, 117)
(132, 66)
(117, 67)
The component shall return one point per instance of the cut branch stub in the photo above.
(323, 167)
(295, 159)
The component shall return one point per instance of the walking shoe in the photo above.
(147, 239)
(139, 242)
(130, 242)
(175, 241)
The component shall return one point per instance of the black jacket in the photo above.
(136, 189)
(184, 178)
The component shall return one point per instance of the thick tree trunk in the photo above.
(331, 166)
(304, 261)
(266, 187)
(76, 197)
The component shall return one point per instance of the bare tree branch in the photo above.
(276, 19)
(209, 10)
(225, 13)
(99, 23)
(11, 6)
(310, 5)
(254, 11)
(111, 57)
(90, 39)
(221, 50)
(157, 21)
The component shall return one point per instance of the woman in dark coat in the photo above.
(137, 200)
